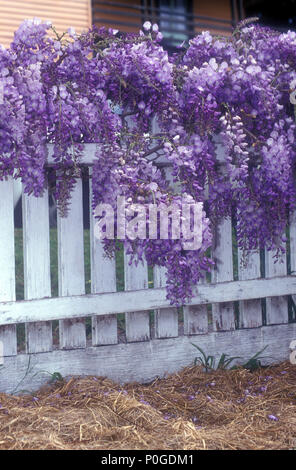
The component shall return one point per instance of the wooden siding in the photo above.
(62, 13)
(218, 9)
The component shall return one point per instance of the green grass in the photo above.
(19, 264)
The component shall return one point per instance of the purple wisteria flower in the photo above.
(126, 94)
(144, 402)
(273, 418)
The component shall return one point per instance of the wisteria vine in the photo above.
(139, 105)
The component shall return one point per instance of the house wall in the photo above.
(62, 13)
(215, 8)
(220, 9)
(112, 16)
(78, 14)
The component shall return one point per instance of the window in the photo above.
(174, 20)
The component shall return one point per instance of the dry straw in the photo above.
(234, 409)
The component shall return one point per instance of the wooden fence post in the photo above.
(103, 279)
(137, 324)
(71, 267)
(276, 307)
(166, 319)
(250, 311)
(223, 313)
(7, 262)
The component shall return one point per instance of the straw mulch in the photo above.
(233, 409)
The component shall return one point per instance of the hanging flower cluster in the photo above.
(140, 105)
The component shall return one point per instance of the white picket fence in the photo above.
(148, 350)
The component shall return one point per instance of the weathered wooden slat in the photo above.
(276, 308)
(196, 320)
(137, 324)
(223, 314)
(37, 267)
(88, 156)
(250, 311)
(144, 361)
(166, 319)
(7, 262)
(77, 306)
(292, 229)
(71, 267)
(103, 279)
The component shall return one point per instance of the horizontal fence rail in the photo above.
(141, 300)
(65, 307)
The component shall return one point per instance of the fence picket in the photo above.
(250, 311)
(166, 319)
(196, 318)
(276, 307)
(71, 267)
(103, 279)
(292, 228)
(223, 313)
(7, 262)
(37, 266)
(137, 324)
